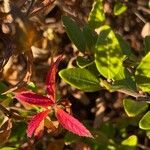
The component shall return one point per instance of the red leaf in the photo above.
(51, 78)
(71, 124)
(39, 130)
(35, 122)
(34, 99)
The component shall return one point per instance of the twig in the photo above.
(70, 12)
(140, 16)
(10, 114)
(44, 4)
(143, 147)
(5, 111)
(144, 9)
(30, 7)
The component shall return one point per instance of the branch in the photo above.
(42, 5)
(10, 114)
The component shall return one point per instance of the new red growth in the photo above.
(48, 103)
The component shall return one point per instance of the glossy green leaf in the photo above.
(90, 38)
(124, 46)
(134, 108)
(83, 62)
(75, 33)
(119, 8)
(131, 141)
(142, 74)
(145, 121)
(108, 53)
(124, 80)
(97, 15)
(82, 79)
(147, 44)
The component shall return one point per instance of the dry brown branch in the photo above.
(10, 114)
(37, 9)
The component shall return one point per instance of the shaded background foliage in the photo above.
(35, 27)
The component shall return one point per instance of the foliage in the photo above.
(102, 63)
(110, 53)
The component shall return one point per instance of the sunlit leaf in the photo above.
(145, 121)
(75, 33)
(72, 124)
(131, 141)
(119, 8)
(134, 108)
(97, 15)
(8, 148)
(142, 74)
(51, 79)
(82, 79)
(32, 86)
(108, 53)
(33, 99)
(36, 122)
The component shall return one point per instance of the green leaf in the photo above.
(119, 8)
(32, 87)
(124, 80)
(108, 129)
(18, 131)
(90, 37)
(3, 87)
(75, 33)
(8, 148)
(100, 141)
(145, 121)
(148, 134)
(82, 79)
(142, 74)
(124, 46)
(83, 62)
(147, 44)
(134, 108)
(70, 138)
(97, 15)
(108, 54)
(131, 142)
